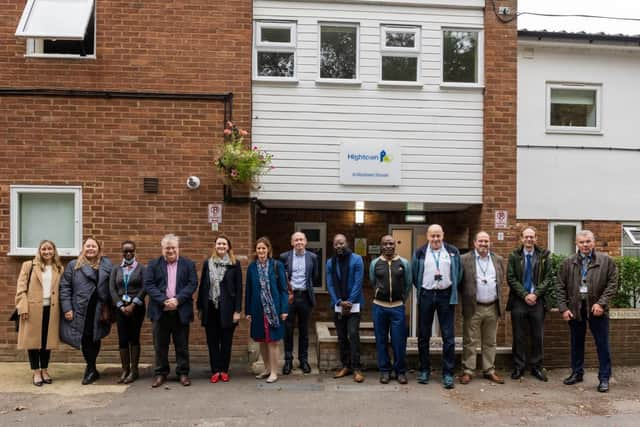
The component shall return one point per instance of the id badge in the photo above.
(437, 277)
(583, 287)
(126, 298)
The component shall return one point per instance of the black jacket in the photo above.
(230, 294)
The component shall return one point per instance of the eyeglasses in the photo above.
(128, 251)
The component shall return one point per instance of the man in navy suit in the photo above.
(170, 282)
(301, 267)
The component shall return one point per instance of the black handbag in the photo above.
(15, 317)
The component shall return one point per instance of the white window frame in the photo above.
(574, 129)
(552, 225)
(322, 227)
(404, 52)
(627, 229)
(479, 58)
(356, 79)
(35, 46)
(16, 190)
(260, 46)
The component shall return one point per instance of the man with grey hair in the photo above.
(587, 281)
(170, 281)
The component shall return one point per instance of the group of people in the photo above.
(77, 304)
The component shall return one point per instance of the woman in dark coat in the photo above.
(127, 295)
(85, 303)
(267, 305)
(219, 305)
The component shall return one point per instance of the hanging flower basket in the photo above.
(240, 164)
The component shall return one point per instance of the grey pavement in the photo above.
(312, 400)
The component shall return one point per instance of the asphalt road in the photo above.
(313, 400)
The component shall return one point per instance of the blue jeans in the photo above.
(599, 326)
(430, 302)
(385, 320)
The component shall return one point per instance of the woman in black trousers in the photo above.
(219, 305)
(127, 294)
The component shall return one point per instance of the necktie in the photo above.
(528, 281)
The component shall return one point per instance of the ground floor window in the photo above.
(46, 212)
(562, 237)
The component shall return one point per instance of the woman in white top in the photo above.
(37, 304)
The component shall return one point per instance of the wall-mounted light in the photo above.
(359, 205)
(415, 218)
(359, 217)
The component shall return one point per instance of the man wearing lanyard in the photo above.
(480, 291)
(586, 283)
(530, 291)
(436, 272)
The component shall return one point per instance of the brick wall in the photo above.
(108, 145)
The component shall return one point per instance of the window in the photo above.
(462, 57)
(45, 212)
(338, 52)
(573, 108)
(562, 237)
(316, 233)
(275, 51)
(631, 240)
(59, 28)
(400, 54)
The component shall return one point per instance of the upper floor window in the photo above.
(275, 51)
(339, 52)
(45, 212)
(573, 108)
(400, 54)
(462, 57)
(56, 28)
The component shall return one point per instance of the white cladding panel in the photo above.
(303, 123)
(556, 181)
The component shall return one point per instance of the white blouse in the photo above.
(46, 286)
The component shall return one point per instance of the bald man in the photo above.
(437, 271)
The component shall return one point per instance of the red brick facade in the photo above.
(108, 145)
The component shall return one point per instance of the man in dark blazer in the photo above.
(480, 290)
(170, 282)
(531, 291)
(301, 267)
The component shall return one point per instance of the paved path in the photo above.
(312, 400)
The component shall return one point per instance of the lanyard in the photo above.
(436, 260)
(486, 266)
(126, 274)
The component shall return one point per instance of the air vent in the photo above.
(150, 185)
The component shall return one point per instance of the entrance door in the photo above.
(408, 238)
(316, 233)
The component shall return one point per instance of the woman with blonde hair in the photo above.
(220, 304)
(37, 305)
(266, 305)
(85, 302)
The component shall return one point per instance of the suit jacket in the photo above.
(354, 284)
(543, 282)
(230, 300)
(469, 286)
(311, 272)
(155, 284)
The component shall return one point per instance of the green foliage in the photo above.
(239, 163)
(628, 282)
(556, 260)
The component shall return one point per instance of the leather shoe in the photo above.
(158, 380)
(37, 383)
(402, 379)
(358, 376)
(90, 377)
(184, 380)
(539, 374)
(572, 379)
(306, 368)
(493, 377)
(342, 373)
(384, 377)
(288, 366)
(465, 379)
(603, 387)
(517, 373)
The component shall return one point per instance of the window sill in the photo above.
(58, 56)
(17, 252)
(400, 84)
(339, 82)
(574, 131)
(451, 85)
(292, 81)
